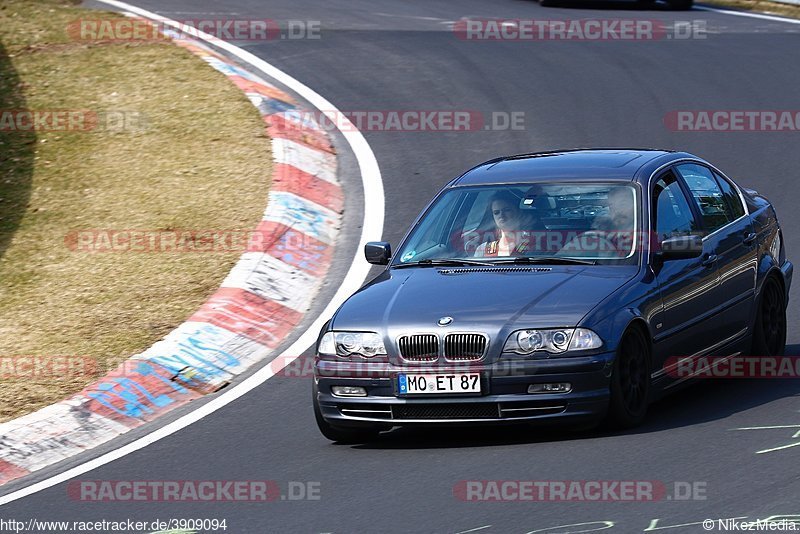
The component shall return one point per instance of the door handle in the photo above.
(710, 260)
(749, 238)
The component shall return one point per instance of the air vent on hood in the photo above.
(465, 270)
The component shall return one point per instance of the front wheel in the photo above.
(341, 434)
(630, 381)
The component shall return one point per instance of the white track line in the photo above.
(744, 14)
(372, 228)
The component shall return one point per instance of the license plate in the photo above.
(452, 383)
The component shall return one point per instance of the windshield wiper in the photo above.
(557, 260)
(439, 262)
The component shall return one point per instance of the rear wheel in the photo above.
(630, 381)
(548, 3)
(769, 330)
(342, 434)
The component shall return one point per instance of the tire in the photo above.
(630, 381)
(769, 330)
(548, 3)
(341, 434)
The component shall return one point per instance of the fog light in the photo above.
(349, 391)
(557, 387)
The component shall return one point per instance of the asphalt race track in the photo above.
(404, 55)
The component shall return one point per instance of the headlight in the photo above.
(529, 340)
(367, 344)
(554, 341)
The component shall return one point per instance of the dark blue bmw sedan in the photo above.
(560, 286)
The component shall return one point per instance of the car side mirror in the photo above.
(683, 247)
(378, 252)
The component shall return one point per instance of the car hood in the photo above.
(486, 300)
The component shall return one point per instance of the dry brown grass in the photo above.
(760, 6)
(201, 162)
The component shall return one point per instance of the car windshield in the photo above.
(543, 222)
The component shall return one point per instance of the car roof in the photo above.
(592, 164)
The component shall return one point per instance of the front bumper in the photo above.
(504, 397)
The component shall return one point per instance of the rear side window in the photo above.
(707, 195)
(732, 197)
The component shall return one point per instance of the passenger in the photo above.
(512, 227)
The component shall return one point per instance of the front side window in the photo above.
(708, 197)
(567, 220)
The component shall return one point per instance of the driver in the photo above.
(618, 225)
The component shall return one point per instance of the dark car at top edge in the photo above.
(559, 287)
(677, 5)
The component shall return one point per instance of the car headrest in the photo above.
(536, 198)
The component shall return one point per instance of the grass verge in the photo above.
(758, 6)
(197, 157)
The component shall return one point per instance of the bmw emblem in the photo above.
(444, 321)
